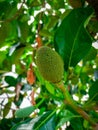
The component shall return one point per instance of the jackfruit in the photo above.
(50, 64)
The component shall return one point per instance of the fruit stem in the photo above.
(68, 100)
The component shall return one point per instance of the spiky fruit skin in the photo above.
(49, 64)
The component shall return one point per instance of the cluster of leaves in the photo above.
(68, 26)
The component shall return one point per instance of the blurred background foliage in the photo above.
(71, 28)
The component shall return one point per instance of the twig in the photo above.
(38, 38)
(40, 18)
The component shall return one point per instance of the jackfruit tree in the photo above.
(49, 64)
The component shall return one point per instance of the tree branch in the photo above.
(68, 100)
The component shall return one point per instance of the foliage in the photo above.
(69, 27)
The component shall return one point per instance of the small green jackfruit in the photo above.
(49, 64)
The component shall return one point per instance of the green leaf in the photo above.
(77, 124)
(6, 124)
(91, 54)
(55, 4)
(16, 56)
(11, 80)
(24, 112)
(74, 79)
(46, 122)
(6, 65)
(45, 33)
(23, 125)
(4, 32)
(88, 69)
(24, 31)
(2, 58)
(18, 103)
(53, 21)
(43, 122)
(50, 88)
(8, 31)
(65, 13)
(2, 0)
(65, 116)
(72, 41)
(84, 78)
(34, 3)
(9, 10)
(38, 75)
(93, 91)
(6, 109)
